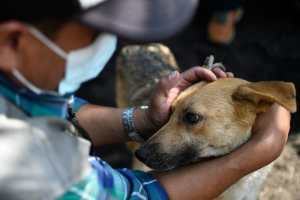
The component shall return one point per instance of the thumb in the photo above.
(168, 88)
(169, 83)
(161, 101)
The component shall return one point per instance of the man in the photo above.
(224, 17)
(40, 157)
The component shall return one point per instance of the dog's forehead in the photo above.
(222, 86)
(210, 93)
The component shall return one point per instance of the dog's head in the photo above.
(212, 119)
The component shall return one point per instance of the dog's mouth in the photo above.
(161, 161)
(149, 155)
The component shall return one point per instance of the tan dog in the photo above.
(213, 119)
(208, 120)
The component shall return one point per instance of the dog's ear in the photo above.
(264, 94)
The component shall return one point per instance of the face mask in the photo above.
(83, 64)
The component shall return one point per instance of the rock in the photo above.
(139, 68)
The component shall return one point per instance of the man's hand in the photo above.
(171, 86)
(270, 134)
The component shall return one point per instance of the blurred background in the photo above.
(257, 40)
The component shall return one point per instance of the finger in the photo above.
(219, 73)
(230, 74)
(198, 73)
(172, 95)
(168, 82)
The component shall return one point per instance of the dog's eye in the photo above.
(192, 118)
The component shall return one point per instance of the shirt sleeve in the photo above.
(106, 183)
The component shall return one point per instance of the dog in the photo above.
(211, 120)
(208, 119)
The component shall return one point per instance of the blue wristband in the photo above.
(128, 124)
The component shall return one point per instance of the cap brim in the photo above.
(144, 20)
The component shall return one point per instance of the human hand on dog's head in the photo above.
(171, 86)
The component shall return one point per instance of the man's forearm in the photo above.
(104, 124)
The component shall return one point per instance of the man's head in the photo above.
(20, 49)
(73, 25)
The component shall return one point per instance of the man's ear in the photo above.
(264, 94)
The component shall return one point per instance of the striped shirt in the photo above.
(106, 183)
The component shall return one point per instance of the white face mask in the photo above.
(83, 64)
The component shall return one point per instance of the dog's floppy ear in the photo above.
(264, 94)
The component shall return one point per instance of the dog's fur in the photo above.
(213, 119)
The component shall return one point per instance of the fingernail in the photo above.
(214, 78)
(230, 74)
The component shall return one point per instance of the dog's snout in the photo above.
(151, 155)
(147, 151)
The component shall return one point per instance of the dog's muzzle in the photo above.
(153, 157)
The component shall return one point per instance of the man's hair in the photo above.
(31, 11)
(46, 15)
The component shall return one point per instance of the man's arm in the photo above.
(209, 179)
(103, 124)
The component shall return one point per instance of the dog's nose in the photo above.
(140, 154)
(150, 155)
